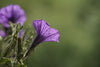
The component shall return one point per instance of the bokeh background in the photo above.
(79, 24)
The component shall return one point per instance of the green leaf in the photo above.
(4, 60)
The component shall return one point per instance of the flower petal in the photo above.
(52, 35)
(21, 20)
(2, 34)
(40, 26)
(9, 11)
(4, 21)
(21, 33)
(44, 32)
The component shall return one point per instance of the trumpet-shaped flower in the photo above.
(44, 32)
(12, 13)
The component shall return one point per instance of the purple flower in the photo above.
(21, 33)
(2, 34)
(44, 33)
(12, 13)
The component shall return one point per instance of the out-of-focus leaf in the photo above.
(4, 60)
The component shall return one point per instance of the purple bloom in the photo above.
(2, 34)
(44, 33)
(21, 33)
(12, 13)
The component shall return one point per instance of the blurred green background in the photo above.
(79, 24)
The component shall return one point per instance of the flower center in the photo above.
(13, 19)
